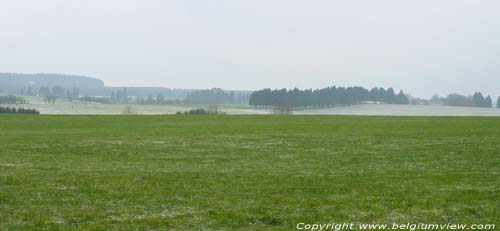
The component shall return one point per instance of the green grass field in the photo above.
(245, 172)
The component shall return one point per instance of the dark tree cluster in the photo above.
(326, 97)
(200, 111)
(498, 102)
(12, 110)
(479, 100)
(212, 110)
(12, 99)
(476, 100)
(216, 96)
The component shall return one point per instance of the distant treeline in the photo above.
(122, 96)
(57, 91)
(12, 110)
(476, 100)
(209, 96)
(31, 84)
(12, 99)
(217, 96)
(75, 92)
(55, 86)
(326, 97)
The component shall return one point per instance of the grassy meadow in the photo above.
(249, 172)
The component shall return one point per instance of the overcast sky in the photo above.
(424, 47)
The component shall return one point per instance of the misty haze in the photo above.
(249, 115)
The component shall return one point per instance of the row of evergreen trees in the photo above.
(13, 110)
(12, 99)
(476, 100)
(326, 97)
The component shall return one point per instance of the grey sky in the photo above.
(421, 46)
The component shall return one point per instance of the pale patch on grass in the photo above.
(16, 165)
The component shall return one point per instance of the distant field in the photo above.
(65, 107)
(68, 108)
(245, 172)
(404, 110)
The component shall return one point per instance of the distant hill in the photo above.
(89, 86)
(30, 84)
(10, 82)
(17, 83)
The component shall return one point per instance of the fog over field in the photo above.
(424, 47)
